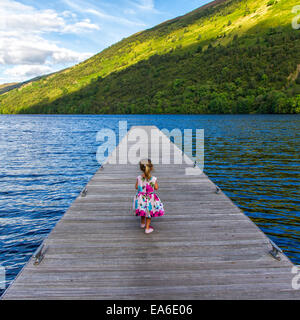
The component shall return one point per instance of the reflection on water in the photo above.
(47, 160)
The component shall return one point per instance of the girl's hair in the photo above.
(146, 166)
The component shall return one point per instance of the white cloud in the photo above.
(145, 5)
(61, 55)
(32, 50)
(80, 6)
(27, 71)
(18, 17)
(68, 13)
(81, 26)
(119, 20)
(24, 50)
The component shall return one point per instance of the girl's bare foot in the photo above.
(149, 230)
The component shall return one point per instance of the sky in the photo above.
(40, 37)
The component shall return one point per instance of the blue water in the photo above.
(45, 161)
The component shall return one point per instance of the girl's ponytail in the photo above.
(146, 166)
(147, 172)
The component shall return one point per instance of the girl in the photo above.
(146, 203)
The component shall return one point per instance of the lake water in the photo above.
(46, 160)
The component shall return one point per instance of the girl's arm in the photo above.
(156, 186)
(136, 184)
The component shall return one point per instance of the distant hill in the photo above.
(231, 56)
(5, 87)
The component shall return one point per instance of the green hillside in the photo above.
(231, 56)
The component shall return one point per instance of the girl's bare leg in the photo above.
(142, 220)
(148, 221)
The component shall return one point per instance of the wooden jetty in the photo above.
(203, 248)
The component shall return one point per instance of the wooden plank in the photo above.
(203, 248)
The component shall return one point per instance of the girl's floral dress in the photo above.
(146, 202)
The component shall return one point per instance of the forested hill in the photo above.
(231, 56)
